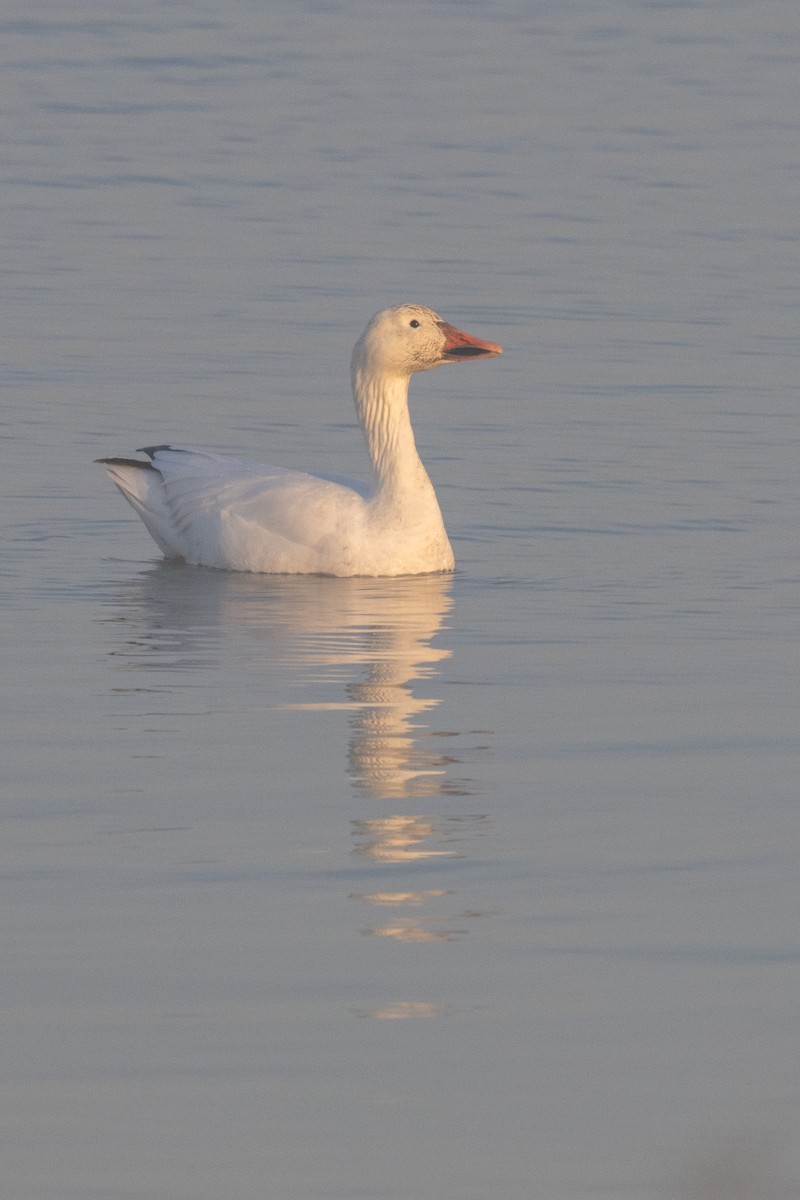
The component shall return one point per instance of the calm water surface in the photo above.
(427, 889)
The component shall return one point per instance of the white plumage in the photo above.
(217, 511)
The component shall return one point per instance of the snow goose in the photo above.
(216, 511)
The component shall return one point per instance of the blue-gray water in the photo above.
(434, 889)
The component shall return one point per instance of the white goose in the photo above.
(216, 511)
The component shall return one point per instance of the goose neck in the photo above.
(382, 408)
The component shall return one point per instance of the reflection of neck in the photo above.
(387, 721)
(382, 407)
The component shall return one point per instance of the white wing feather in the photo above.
(219, 511)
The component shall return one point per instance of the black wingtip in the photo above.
(150, 451)
(126, 462)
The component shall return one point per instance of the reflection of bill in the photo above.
(401, 1010)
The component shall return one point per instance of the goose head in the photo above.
(409, 337)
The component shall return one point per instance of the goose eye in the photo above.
(414, 324)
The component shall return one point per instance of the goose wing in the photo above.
(217, 511)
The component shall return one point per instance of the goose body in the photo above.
(217, 511)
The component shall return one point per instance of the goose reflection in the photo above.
(372, 639)
(388, 633)
(369, 647)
